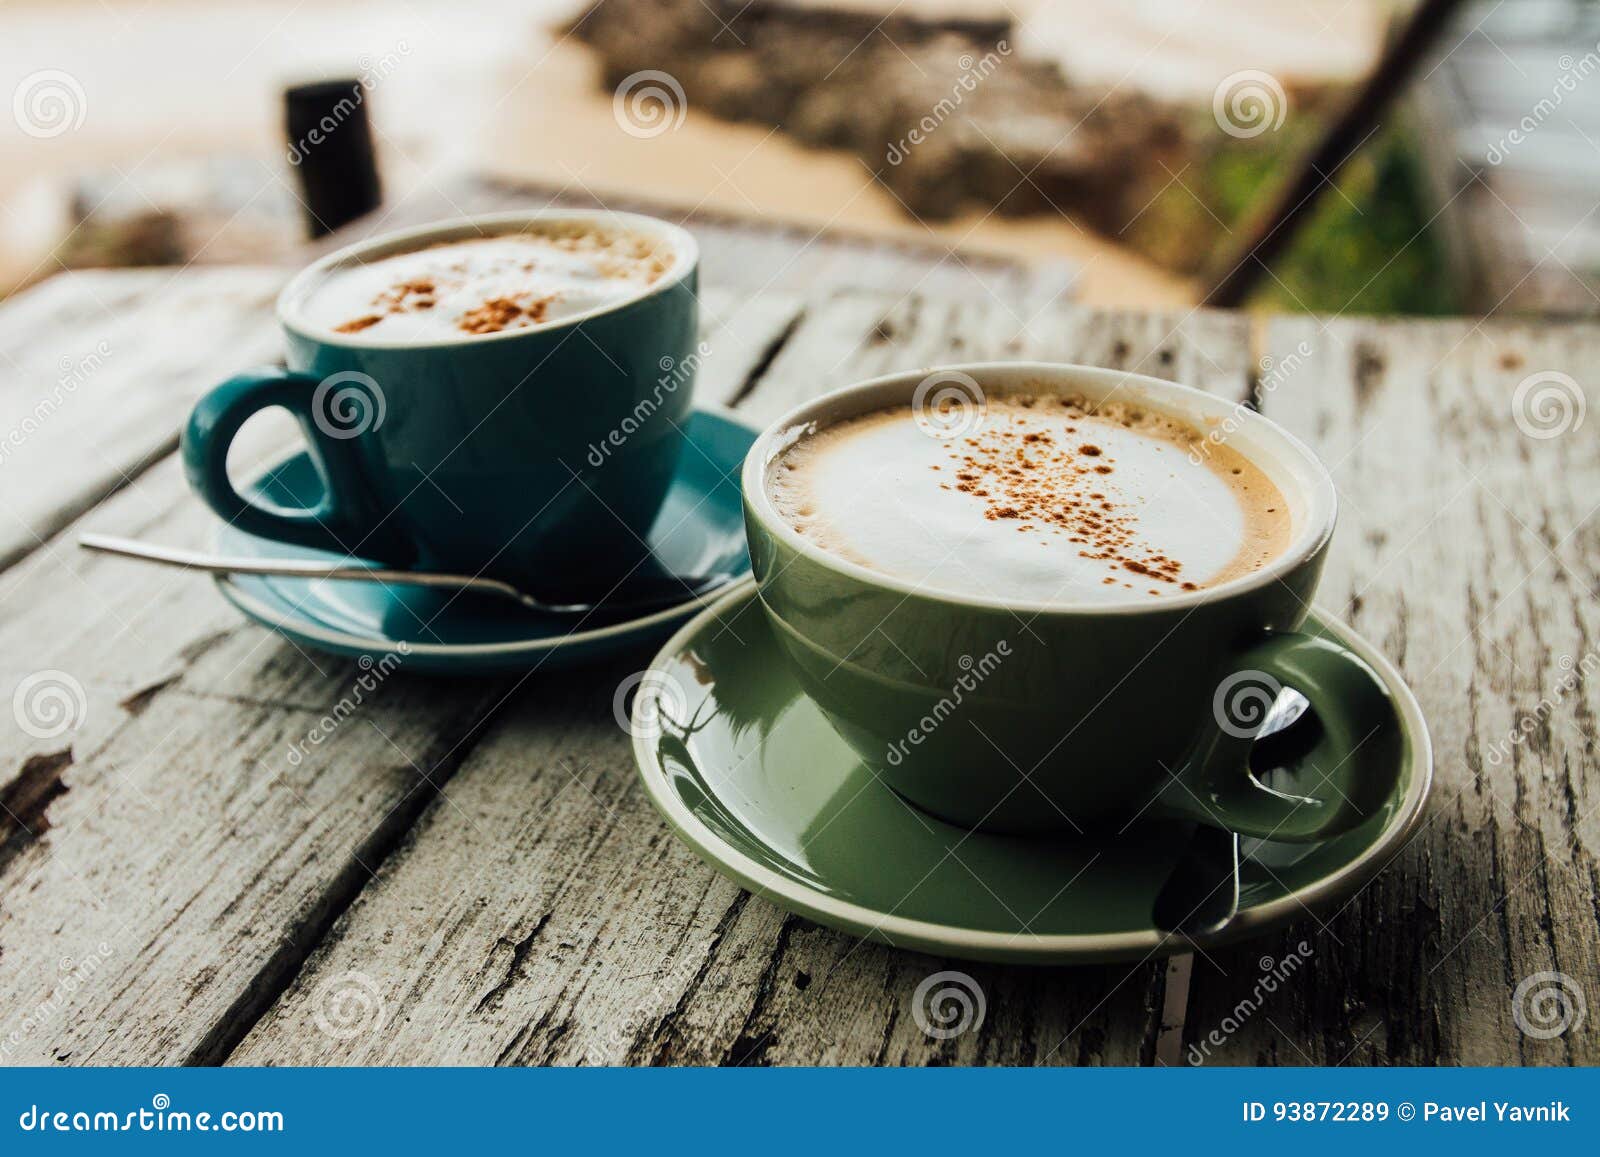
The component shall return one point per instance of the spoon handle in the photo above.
(1201, 895)
(293, 568)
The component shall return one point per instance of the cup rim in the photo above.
(1321, 498)
(484, 225)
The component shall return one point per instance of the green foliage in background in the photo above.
(1366, 246)
(1369, 250)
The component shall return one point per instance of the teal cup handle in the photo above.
(540, 456)
(1332, 790)
(340, 522)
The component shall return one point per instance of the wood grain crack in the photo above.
(769, 354)
(748, 1047)
(519, 953)
(135, 702)
(25, 800)
(67, 513)
(275, 976)
(659, 1039)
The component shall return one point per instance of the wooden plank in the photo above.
(168, 842)
(1469, 552)
(850, 337)
(173, 847)
(97, 372)
(548, 916)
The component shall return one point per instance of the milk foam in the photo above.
(1041, 501)
(458, 290)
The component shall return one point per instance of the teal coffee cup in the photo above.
(536, 455)
(1003, 715)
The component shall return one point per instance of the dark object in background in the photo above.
(330, 148)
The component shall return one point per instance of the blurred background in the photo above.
(1418, 158)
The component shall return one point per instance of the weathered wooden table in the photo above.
(468, 872)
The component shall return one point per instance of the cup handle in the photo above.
(1359, 734)
(341, 521)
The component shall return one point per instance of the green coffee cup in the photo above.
(1003, 715)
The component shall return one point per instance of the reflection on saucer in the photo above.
(752, 776)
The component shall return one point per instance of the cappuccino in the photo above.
(458, 290)
(1037, 498)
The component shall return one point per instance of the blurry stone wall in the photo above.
(945, 111)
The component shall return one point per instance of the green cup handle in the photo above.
(1342, 782)
(344, 521)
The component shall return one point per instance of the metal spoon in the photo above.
(1201, 895)
(662, 592)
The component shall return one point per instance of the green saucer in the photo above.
(747, 771)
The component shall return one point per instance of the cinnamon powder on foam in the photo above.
(618, 257)
(1060, 481)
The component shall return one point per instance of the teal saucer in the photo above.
(752, 777)
(700, 531)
